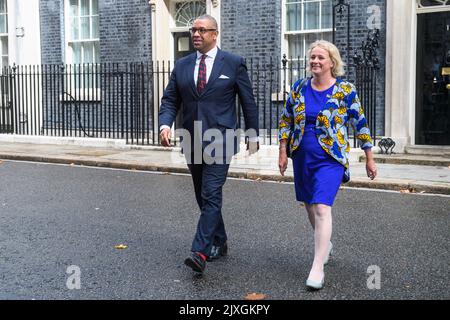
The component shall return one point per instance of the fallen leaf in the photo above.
(121, 246)
(258, 179)
(72, 164)
(255, 296)
(409, 190)
(1, 161)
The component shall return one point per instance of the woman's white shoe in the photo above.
(314, 285)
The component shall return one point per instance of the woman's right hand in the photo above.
(282, 160)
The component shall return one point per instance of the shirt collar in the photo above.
(211, 53)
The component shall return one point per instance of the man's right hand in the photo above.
(165, 137)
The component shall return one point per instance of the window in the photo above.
(83, 31)
(187, 11)
(3, 34)
(433, 3)
(83, 48)
(305, 22)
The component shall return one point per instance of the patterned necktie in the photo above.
(201, 78)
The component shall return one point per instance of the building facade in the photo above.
(413, 48)
(417, 68)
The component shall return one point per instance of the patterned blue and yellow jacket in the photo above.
(342, 107)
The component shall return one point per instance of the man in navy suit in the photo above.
(204, 86)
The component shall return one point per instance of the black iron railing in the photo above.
(367, 66)
(121, 100)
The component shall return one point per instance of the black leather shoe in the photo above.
(195, 262)
(217, 252)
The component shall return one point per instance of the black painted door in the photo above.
(433, 79)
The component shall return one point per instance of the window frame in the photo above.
(68, 31)
(4, 35)
(173, 10)
(90, 92)
(302, 31)
(443, 7)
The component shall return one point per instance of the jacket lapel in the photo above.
(190, 73)
(215, 72)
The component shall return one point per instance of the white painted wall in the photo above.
(400, 72)
(24, 45)
(24, 32)
(401, 41)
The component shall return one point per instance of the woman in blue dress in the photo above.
(314, 124)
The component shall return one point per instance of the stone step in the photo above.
(441, 151)
(413, 159)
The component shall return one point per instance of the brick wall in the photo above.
(125, 31)
(52, 26)
(125, 36)
(251, 28)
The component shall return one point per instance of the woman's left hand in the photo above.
(371, 169)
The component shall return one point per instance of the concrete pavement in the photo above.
(432, 175)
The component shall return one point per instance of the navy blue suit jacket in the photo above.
(215, 107)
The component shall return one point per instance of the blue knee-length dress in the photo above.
(317, 176)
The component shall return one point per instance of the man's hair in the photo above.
(210, 18)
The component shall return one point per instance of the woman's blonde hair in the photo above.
(335, 56)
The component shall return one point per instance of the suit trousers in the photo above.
(208, 182)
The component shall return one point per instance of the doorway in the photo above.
(182, 45)
(433, 79)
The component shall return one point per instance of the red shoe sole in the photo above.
(193, 265)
